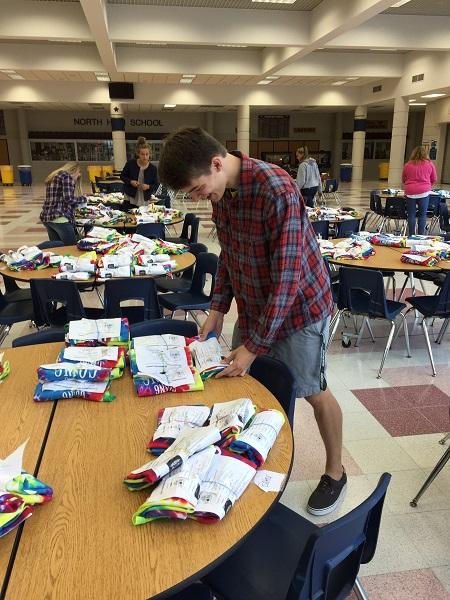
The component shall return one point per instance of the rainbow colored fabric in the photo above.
(122, 340)
(172, 421)
(4, 368)
(116, 366)
(97, 391)
(62, 371)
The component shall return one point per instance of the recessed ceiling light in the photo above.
(185, 80)
(101, 74)
(169, 105)
(338, 83)
(275, 1)
(273, 77)
(103, 78)
(401, 3)
(63, 41)
(433, 95)
(7, 71)
(411, 100)
(383, 49)
(16, 76)
(418, 104)
(189, 76)
(264, 82)
(232, 46)
(351, 78)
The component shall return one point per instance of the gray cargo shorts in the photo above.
(304, 352)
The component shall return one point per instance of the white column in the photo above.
(433, 137)
(337, 145)
(398, 142)
(118, 135)
(243, 128)
(23, 137)
(359, 141)
(210, 123)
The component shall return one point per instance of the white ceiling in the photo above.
(57, 46)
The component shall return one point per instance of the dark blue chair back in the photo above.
(277, 377)
(194, 249)
(122, 290)
(48, 293)
(346, 228)
(152, 230)
(45, 336)
(162, 326)
(441, 306)
(330, 186)
(321, 228)
(206, 265)
(190, 228)
(434, 201)
(444, 223)
(361, 291)
(50, 244)
(395, 208)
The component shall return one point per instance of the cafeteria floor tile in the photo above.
(390, 424)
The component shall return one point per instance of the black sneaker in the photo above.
(327, 495)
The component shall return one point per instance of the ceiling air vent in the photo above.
(417, 77)
(377, 88)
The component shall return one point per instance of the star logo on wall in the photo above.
(116, 109)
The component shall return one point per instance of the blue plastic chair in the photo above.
(277, 377)
(152, 230)
(46, 336)
(123, 290)
(162, 326)
(195, 298)
(444, 222)
(189, 232)
(346, 228)
(50, 244)
(361, 292)
(321, 228)
(196, 591)
(436, 306)
(13, 312)
(289, 558)
(183, 283)
(330, 191)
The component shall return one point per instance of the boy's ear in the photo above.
(216, 163)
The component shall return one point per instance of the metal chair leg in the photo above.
(444, 439)
(432, 476)
(442, 330)
(359, 591)
(427, 339)
(370, 330)
(387, 348)
(4, 330)
(405, 329)
(334, 326)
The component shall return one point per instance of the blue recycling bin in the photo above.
(25, 174)
(346, 172)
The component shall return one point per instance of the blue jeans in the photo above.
(308, 195)
(61, 231)
(422, 207)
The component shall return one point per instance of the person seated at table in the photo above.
(308, 176)
(140, 176)
(60, 200)
(418, 177)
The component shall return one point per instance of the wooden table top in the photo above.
(21, 419)
(84, 539)
(184, 261)
(387, 259)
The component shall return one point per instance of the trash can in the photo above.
(93, 172)
(383, 170)
(346, 172)
(107, 170)
(25, 174)
(7, 174)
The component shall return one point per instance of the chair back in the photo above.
(45, 336)
(124, 290)
(361, 291)
(162, 326)
(378, 205)
(364, 221)
(443, 217)
(346, 228)
(206, 264)
(442, 306)
(194, 249)
(190, 228)
(152, 230)
(433, 205)
(277, 377)
(395, 208)
(331, 559)
(330, 186)
(321, 228)
(50, 244)
(47, 294)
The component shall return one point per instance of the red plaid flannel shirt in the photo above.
(269, 261)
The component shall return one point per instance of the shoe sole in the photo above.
(318, 512)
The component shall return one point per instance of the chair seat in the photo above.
(178, 240)
(263, 567)
(178, 284)
(19, 295)
(425, 305)
(393, 308)
(184, 301)
(16, 312)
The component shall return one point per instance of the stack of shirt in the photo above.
(78, 268)
(110, 357)
(16, 500)
(232, 417)
(29, 259)
(189, 442)
(161, 364)
(73, 380)
(255, 442)
(352, 249)
(172, 421)
(99, 332)
(4, 367)
(418, 259)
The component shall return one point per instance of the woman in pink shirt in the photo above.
(418, 177)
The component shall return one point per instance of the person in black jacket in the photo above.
(139, 175)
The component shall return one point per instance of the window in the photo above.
(63, 151)
(101, 151)
(273, 126)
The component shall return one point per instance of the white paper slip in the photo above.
(234, 413)
(75, 384)
(11, 466)
(153, 270)
(165, 341)
(269, 481)
(175, 419)
(263, 431)
(99, 232)
(91, 355)
(206, 354)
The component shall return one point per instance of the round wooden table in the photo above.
(184, 261)
(132, 224)
(357, 217)
(83, 544)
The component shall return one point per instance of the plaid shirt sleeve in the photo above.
(285, 223)
(68, 188)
